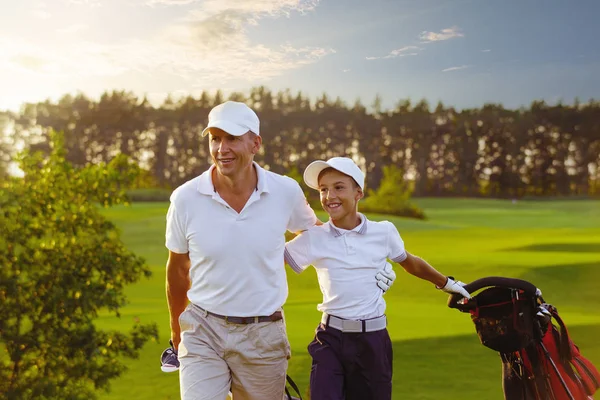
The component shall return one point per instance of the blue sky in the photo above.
(462, 52)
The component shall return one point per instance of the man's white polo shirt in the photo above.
(346, 264)
(237, 264)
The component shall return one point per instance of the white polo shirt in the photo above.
(346, 263)
(237, 264)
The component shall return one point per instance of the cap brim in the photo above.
(311, 173)
(230, 127)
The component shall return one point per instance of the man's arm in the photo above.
(421, 269)
(292, 235)
(178, 283)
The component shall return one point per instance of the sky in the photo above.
(462, 52)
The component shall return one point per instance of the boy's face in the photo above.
(339, 194)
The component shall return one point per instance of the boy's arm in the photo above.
(297, 253)
(422, 269)
(289, 260)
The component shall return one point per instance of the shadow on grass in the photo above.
(572, 285)
(560, 247)
(457, 367)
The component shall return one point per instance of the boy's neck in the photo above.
(348, 223)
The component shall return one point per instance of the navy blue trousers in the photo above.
(350, 366)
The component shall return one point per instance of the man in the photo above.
(225, 235)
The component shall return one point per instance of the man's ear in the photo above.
(257, 142)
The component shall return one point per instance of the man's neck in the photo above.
(243, 182)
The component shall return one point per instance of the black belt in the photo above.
(276, 316)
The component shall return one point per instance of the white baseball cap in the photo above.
(233, 117)
(343, 164)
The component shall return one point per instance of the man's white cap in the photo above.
(234, 118)
(343, 164)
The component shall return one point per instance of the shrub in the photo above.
(61, 263)
(392, 197)
(148, 195)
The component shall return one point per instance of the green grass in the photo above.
(555, 245)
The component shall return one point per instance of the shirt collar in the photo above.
(360, 228)
(206, 186)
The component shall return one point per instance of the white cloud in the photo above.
(258, 7)
(346, 70)
(456, 68)
(210, 44)
(93, 3)
(72, 29)
(485, 51)
(81, 60)
(267, 7)
(40, 10)
(209, 47)
(169, 2)
(401, 52)
(41, 14)
(444, 34)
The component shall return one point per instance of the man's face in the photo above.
(339, 194)
(232, 154)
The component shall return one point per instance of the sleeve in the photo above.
(175, 239)
(303, 217)
(297, 252)
(396, 251)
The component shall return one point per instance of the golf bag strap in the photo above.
(588, 373)
(565, 341)
(294, 386)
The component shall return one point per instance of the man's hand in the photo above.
(168, 359)
(385, 277)
(453, 286)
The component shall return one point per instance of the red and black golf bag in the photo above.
(539, 360)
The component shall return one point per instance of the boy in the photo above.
(351, 350)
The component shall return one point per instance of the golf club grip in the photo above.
(490, 281)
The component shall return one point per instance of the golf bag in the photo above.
(293, 386)
(539, 360)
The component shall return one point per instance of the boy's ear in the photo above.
(360, 194)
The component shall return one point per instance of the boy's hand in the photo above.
(453, 286)
(385, 277)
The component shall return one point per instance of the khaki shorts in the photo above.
(216, 356)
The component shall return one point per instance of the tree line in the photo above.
(539, 150)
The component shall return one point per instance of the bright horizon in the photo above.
(462, 52)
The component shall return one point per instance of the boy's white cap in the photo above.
(234, 118)
(343, 164)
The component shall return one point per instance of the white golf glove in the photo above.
(453, 286)
(385, 277)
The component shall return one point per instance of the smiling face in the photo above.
(232, 154)
(339, 197)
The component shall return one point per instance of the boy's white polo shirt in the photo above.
(346, 263)
(237, 264)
